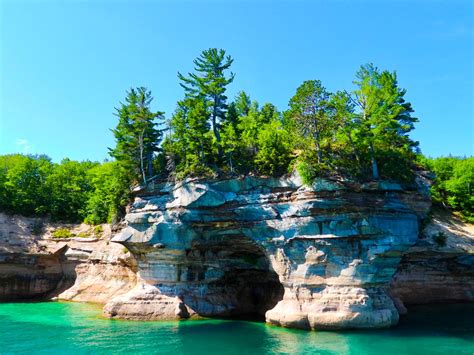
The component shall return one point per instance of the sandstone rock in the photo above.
(434, 272)
(314, 258)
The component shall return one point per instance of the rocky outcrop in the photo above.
(440, 266)
(320, 257)
(331, 256)
(36, 266)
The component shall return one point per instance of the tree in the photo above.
(190, 144)
(70, 187)
(242, 103)
(384, 118)
(25, 189)
(108, 193)
(268, 113)
(310, 108)
(137, 136)
(343, 117)
(209, 83)
(274, 149)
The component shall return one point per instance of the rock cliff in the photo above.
(334, 255)
(314, 258)
(35, 266)
(440, 266)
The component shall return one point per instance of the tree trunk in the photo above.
(140, 143)
(375, 168)
(214, 127)
(318, 148)
(150, 164)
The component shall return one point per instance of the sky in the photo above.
(65, 65)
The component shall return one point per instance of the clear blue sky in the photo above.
(65, 65)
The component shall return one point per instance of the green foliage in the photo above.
(25, 189)
(63, 233)
(70, 191)
(209, 83)
(453, 184)
(191, 143)
(137, 137)
(69, 186)
(360, 135)
(274, 149)
(108, 195)
(383, 120)
(310, 109)
(440, 238)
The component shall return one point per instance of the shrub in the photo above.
(440, 239)
(98, 230)
(83, 235)
(63, 233)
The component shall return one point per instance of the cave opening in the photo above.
(239, 280)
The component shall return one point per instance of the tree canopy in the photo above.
(360, 134)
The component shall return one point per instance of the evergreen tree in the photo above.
(274, 149)
(242, 103)
(190, 144)
(343, 117)
(268, 113)
(384, 118)
(209, 83)
(232, 117)
(310, 109)
(137, 136)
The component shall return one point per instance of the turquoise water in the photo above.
(74, 328)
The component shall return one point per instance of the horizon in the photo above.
(64, 67)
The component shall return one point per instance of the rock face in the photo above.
(313, 258)
(36, 267)
(440, 266)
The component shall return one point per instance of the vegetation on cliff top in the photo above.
(361, 135)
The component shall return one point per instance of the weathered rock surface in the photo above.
(35, 266)
(440, 266)
(320, 257)
(336, 255)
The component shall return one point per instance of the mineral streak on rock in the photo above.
(319, 257)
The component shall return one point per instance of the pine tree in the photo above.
(137, 136)
(209, 83)
(384, 118)
(242, 103)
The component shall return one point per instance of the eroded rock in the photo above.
(320, 257)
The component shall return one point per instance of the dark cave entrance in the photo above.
(239, 280)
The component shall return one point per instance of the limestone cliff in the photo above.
(320, 257)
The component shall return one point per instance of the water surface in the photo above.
(75, 328)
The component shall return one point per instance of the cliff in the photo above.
(35, 266)
(320, 257)
(331, 256)
(440, 266)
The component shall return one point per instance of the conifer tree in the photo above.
(209, 82)
(242, 103)
(137, 136)
(384, 118)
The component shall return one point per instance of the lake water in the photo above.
(75, 328)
